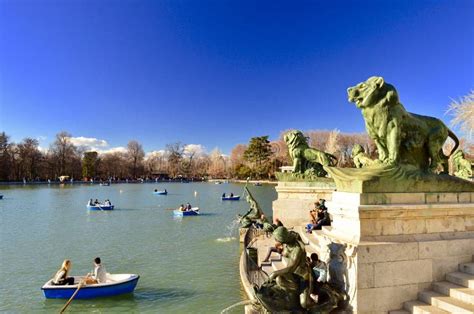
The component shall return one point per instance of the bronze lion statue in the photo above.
(306, 158)
(401, 137)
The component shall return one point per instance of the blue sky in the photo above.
(219, 72)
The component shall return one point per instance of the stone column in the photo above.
(295, 199)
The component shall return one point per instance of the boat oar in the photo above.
(81, 283)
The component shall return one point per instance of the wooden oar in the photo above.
(81, 283)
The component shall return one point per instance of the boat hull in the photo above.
(234, 198)
(179, 213)
(111, 207)
(1, 196)
(160, 193)
(92, 291)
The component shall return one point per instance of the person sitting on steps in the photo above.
(322, 218)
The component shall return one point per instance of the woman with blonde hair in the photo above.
(61, 277)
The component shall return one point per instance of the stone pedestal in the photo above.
(295, 199)
(396, 244)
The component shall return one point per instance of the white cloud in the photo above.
(118, 149)
(90, 143)
(196, 149)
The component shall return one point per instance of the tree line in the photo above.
(259, 159)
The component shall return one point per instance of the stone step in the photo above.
(277, 265)
(467, 268)
(455, 291)
(418, 307)
(446, 303)
(311, 240)
(398, 312)
(268, 269)
(462, 279)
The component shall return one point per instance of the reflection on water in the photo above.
(185, 265)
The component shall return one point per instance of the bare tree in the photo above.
(135, 155)
(64, 152)
(30, 157)
(175, 155)
(463, 114)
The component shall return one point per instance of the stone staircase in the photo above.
(454, 295)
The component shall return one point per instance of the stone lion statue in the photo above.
(462, 166)
(401, 137)
(360, 158)
(306, 158)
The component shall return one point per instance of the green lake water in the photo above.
(186, 265)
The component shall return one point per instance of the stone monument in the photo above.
(398, 224)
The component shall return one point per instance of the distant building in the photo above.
(287, 168)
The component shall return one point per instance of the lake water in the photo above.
(186, 265)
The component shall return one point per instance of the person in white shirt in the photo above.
(99, 275)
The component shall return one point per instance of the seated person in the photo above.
(188, 206)
(319, 268)
(223, 195)
(323, 219)
(99, 274)
(278, 248)
(91, 203)
(96, 202)
(61, 278)
(231, 194)
(319, 273)
(182, 208)
(156, 190)
(166, 191)
(313, 213)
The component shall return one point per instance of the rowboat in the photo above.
(160, 192)
(104, 184)
(192, 212)
(231, 198)
(116, 284)
(100, 207)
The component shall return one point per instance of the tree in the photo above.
(217, 167)
(175, 155)
(4, 157)
(135, 155)
(89, 164)
(259, 152)
(64, 152)
(30, 157)
(114, 165)
(463, 114)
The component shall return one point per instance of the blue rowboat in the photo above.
(116, 284)
(160, 192)
(100, 207)
(192, 212)
(229, 198)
